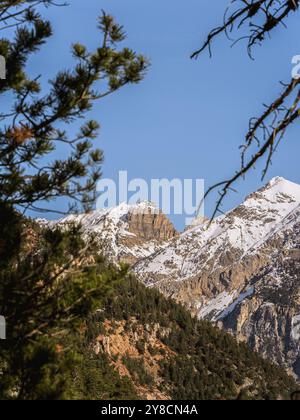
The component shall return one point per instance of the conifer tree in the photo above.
(46, 292)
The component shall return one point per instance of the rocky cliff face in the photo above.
(150, 226)
(127, 233)
(129, 343)
(268, 318)
(242, 271)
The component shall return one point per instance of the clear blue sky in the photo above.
(187, 118)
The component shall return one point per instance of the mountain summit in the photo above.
(242, 271)
(125, 233)
(229, 238)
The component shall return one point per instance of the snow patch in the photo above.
(215, 306)
(296, 328)
(223, 305)
(243, 296)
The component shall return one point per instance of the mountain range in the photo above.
(240, 271)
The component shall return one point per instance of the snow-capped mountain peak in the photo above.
(243, 230)
(283, 184)
(128, 232)
(115, 213)
(278, 193)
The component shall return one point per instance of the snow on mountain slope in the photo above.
(240, 232)
(242, 271)
(268, 318)
(125, 233)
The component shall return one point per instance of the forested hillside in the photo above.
(168, 354)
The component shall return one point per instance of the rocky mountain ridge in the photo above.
(242, 271)
(127, 233)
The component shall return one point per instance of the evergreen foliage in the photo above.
(36, 120)
(209, 363)
(46, 294)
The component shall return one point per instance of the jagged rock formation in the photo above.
(126, 233)
(241, 271)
